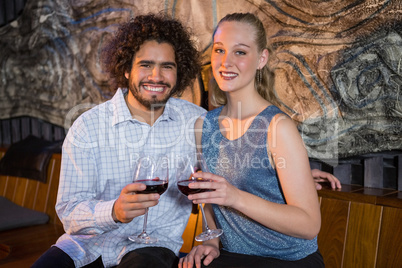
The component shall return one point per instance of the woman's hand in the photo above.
(322, 176)
(207, 252)
(223, 193)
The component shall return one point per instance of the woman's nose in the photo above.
(227, 61)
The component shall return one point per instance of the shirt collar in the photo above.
(121, 112)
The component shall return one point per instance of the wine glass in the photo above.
(153, 172)
(191, 164)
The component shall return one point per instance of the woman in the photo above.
(264, 196)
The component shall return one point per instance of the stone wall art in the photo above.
(338, 63)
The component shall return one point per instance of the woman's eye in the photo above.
(241, 53)
(218, 50)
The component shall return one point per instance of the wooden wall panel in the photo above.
(331, 239)
(30, 194)
(390, 244)
(189, 233)
(53, 177)
(3, 187)
(20, 191)
(11, 183)
(362, 235)
(194, 228)
(198, 229)
(34, 194)
(41, 199)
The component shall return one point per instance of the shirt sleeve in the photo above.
(78, 206)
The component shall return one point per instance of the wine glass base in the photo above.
(208, 235)
(143, 239)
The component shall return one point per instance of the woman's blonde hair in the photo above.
(264, 85)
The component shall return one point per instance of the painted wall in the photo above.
(338, 62)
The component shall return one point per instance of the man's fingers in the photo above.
(132, 187)
(318, 186)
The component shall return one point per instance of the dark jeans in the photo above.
(147, 257)
(234, 260)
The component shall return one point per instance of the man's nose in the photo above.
(155, 74)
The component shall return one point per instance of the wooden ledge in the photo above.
(4, 251)
(356, 193)
(27, 242)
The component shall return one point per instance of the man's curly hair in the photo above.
(119, 53)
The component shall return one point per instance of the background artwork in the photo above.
(338, 63)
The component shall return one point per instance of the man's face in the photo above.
(153, 75)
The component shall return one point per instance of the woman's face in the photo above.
(235, 57)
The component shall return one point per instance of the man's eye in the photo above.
(218, 50)
(241, 53)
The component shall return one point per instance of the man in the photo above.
(154, 57)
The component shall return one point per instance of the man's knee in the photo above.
(54, 257)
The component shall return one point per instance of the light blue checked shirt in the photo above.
(99, 154)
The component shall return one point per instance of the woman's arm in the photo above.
(209, 250)
(206, 252)
(300, 217)
(293, 169)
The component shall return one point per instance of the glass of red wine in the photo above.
(153, 172)
(186, 168)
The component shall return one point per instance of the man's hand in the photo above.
(322, 176)
(130, 205)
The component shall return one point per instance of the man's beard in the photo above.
(154, 103)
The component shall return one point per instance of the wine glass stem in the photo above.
(204, 219)
(144, 227)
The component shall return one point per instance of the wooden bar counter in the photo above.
(361, 227)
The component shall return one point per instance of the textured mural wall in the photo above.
(338, 62)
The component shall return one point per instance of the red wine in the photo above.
(158, 187)
(183, 187)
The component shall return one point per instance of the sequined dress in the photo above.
(244, 163)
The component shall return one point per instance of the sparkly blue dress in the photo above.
(244, 162)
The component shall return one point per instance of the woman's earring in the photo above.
(259, 77)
